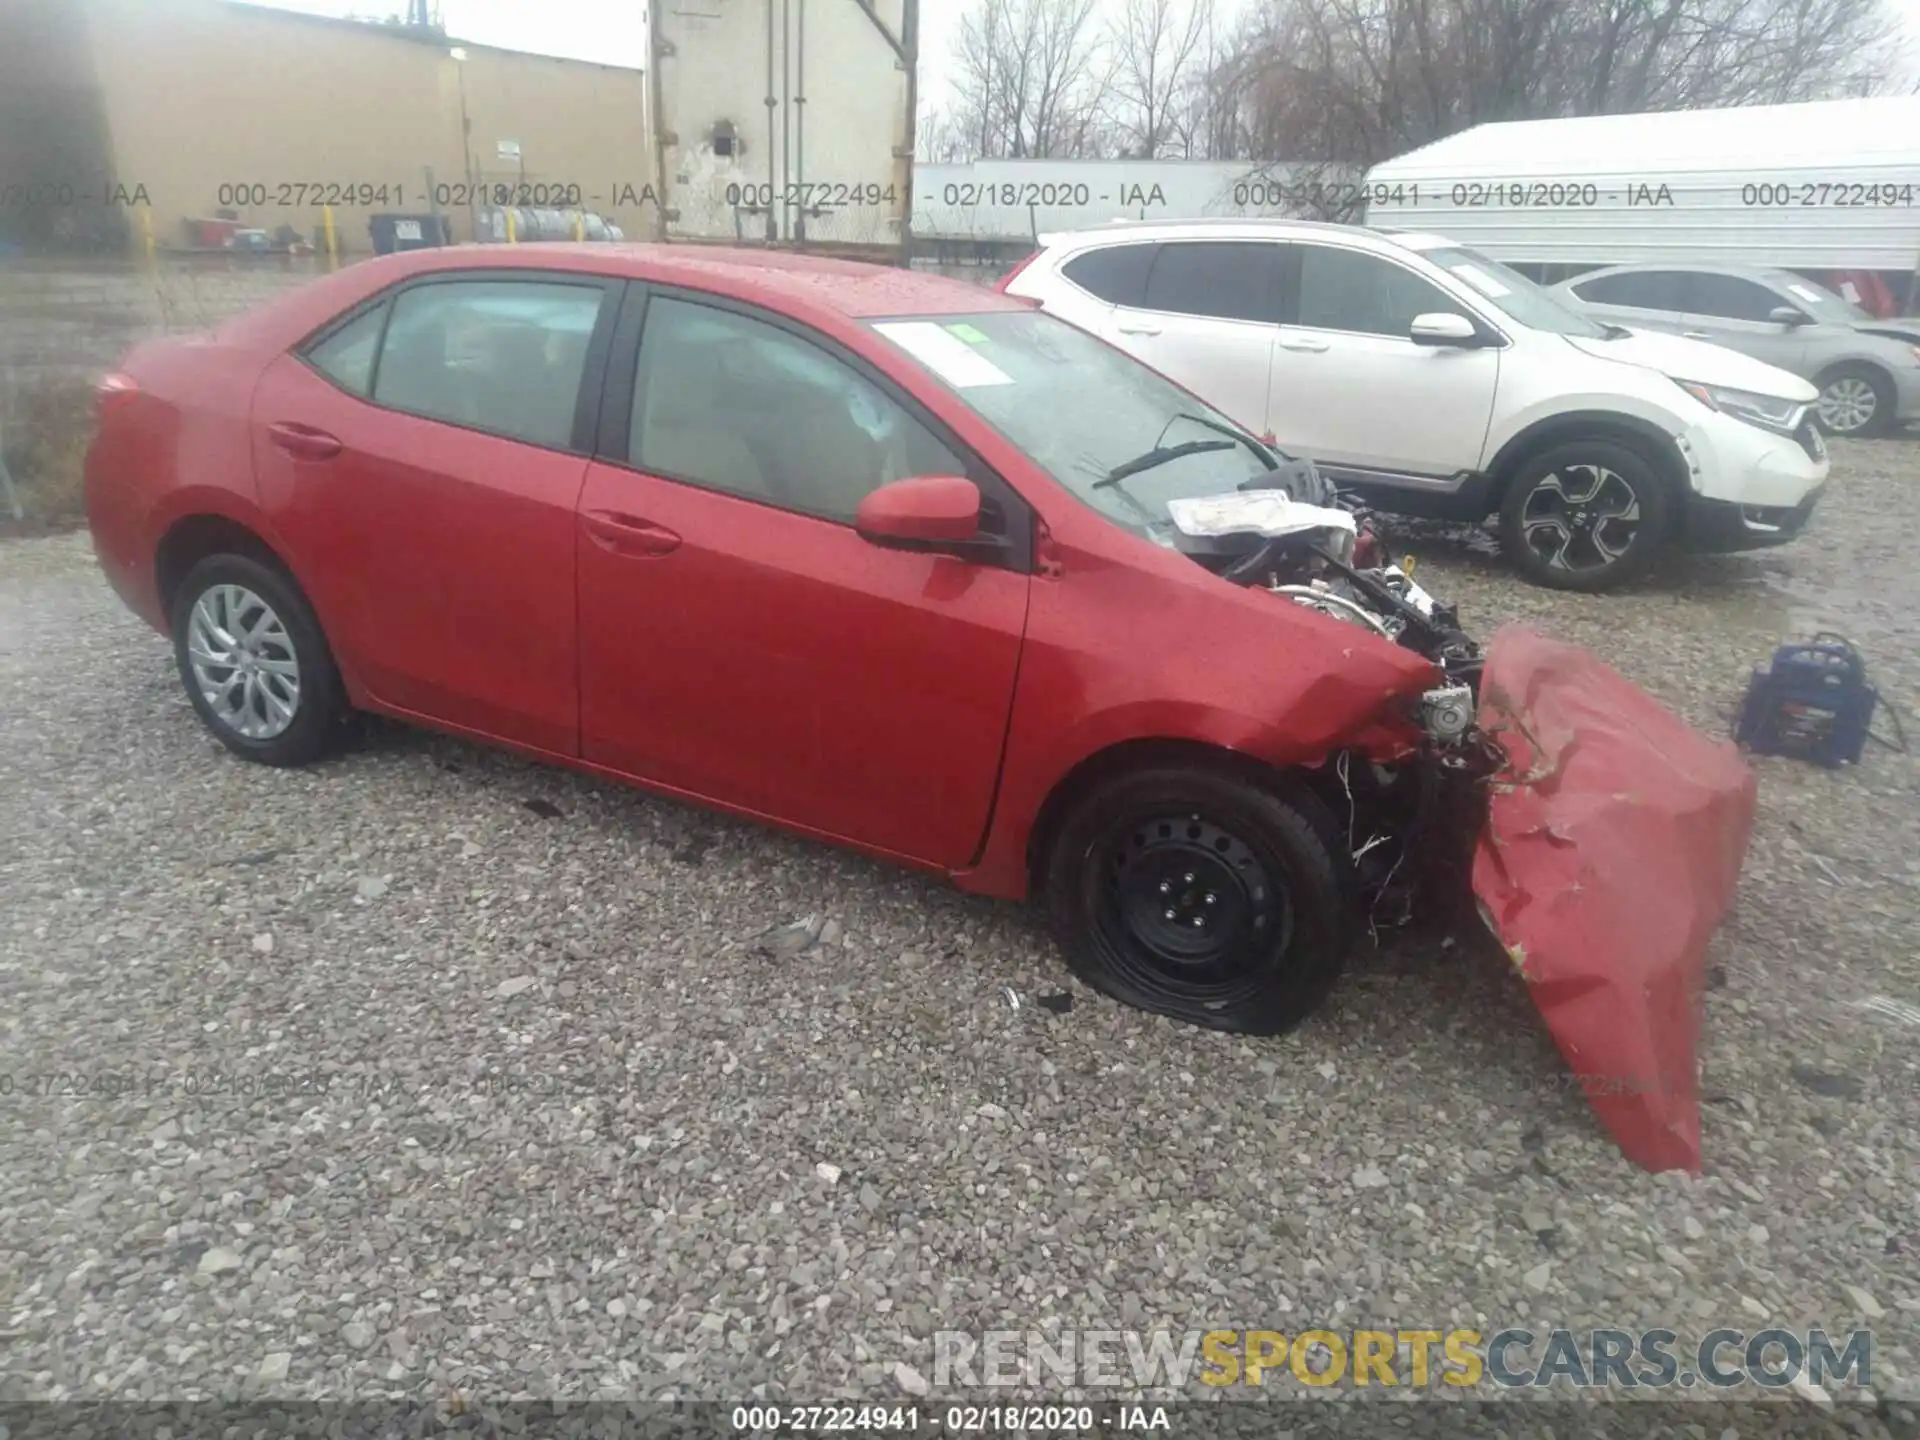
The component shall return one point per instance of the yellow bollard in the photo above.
(512, 236)
(333, 243)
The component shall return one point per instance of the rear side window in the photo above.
(1114, 273)
(504, 356)
(346, 356)
(1728, 297)
(1222, 280)
(1641, 289)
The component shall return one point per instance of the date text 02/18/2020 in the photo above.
(950, 1419)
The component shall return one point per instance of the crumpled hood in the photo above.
(1696, 360)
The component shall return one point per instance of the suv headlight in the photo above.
(1767, 411)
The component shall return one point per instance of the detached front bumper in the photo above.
(1612, 845)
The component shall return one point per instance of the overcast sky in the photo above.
(615, 30)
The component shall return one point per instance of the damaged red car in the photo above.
(903, 564)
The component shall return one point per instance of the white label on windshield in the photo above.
(946, 354)
(1480, 281)
(1805, 294)
(1264, 512)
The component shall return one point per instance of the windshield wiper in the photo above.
(1161, 455)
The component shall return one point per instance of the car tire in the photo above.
(1585, 515)
(255, 663)
(1856, 402)
(1145, 868)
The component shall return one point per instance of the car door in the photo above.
(1205, 317)
(1350, 388)
(738, 640)
(1734, 311)
(1638, 299)
(424, 458)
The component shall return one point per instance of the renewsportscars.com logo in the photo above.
(1721, 1359)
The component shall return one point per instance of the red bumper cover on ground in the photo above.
(1612, 849)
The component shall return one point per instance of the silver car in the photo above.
(1867, 370)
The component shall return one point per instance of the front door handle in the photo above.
(303, 442)
(624, 534)
(1135, 329)
(1310, 347)
(1695, 335)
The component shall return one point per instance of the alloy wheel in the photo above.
(243, 662)
(1581, 518)
(1847, 405)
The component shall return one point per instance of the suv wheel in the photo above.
(1585, 515)
(255, 663)
(1191, 893)
(1855, 401)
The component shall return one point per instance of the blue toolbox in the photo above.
(1812, 702)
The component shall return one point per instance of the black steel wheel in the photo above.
(1197, 894)
(1585, 515)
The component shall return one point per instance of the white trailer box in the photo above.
(786, 121)
(1015, 200)
(1828, 186)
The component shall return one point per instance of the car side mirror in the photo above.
(1442, 328)
(938, 513)
(1787, 315)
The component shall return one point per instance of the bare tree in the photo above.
(1354, 82)
(1032, 77)
(1158, 49)
(940, 139)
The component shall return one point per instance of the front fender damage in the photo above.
(1611, 850)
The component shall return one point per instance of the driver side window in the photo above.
(735, 404)
(1351, 290)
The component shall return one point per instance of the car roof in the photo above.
(818, 288)
(1230, 227)
(1691, 267)
(858, 289)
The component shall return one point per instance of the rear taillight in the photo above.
(112, 389)
(1008, 278)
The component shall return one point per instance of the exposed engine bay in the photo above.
(1302, 538)
(1409, 828)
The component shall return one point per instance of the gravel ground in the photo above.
(563, 1112)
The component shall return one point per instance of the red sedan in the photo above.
(887, 559)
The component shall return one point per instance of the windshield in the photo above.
(1513, 293)
(1818, 301)
(1084, 411)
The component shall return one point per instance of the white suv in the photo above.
(1436, 382)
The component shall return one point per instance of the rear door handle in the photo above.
(1310, 347)
(303, 442)
(1139, 329)
(629, 534)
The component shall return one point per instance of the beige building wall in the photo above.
(211, 104)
